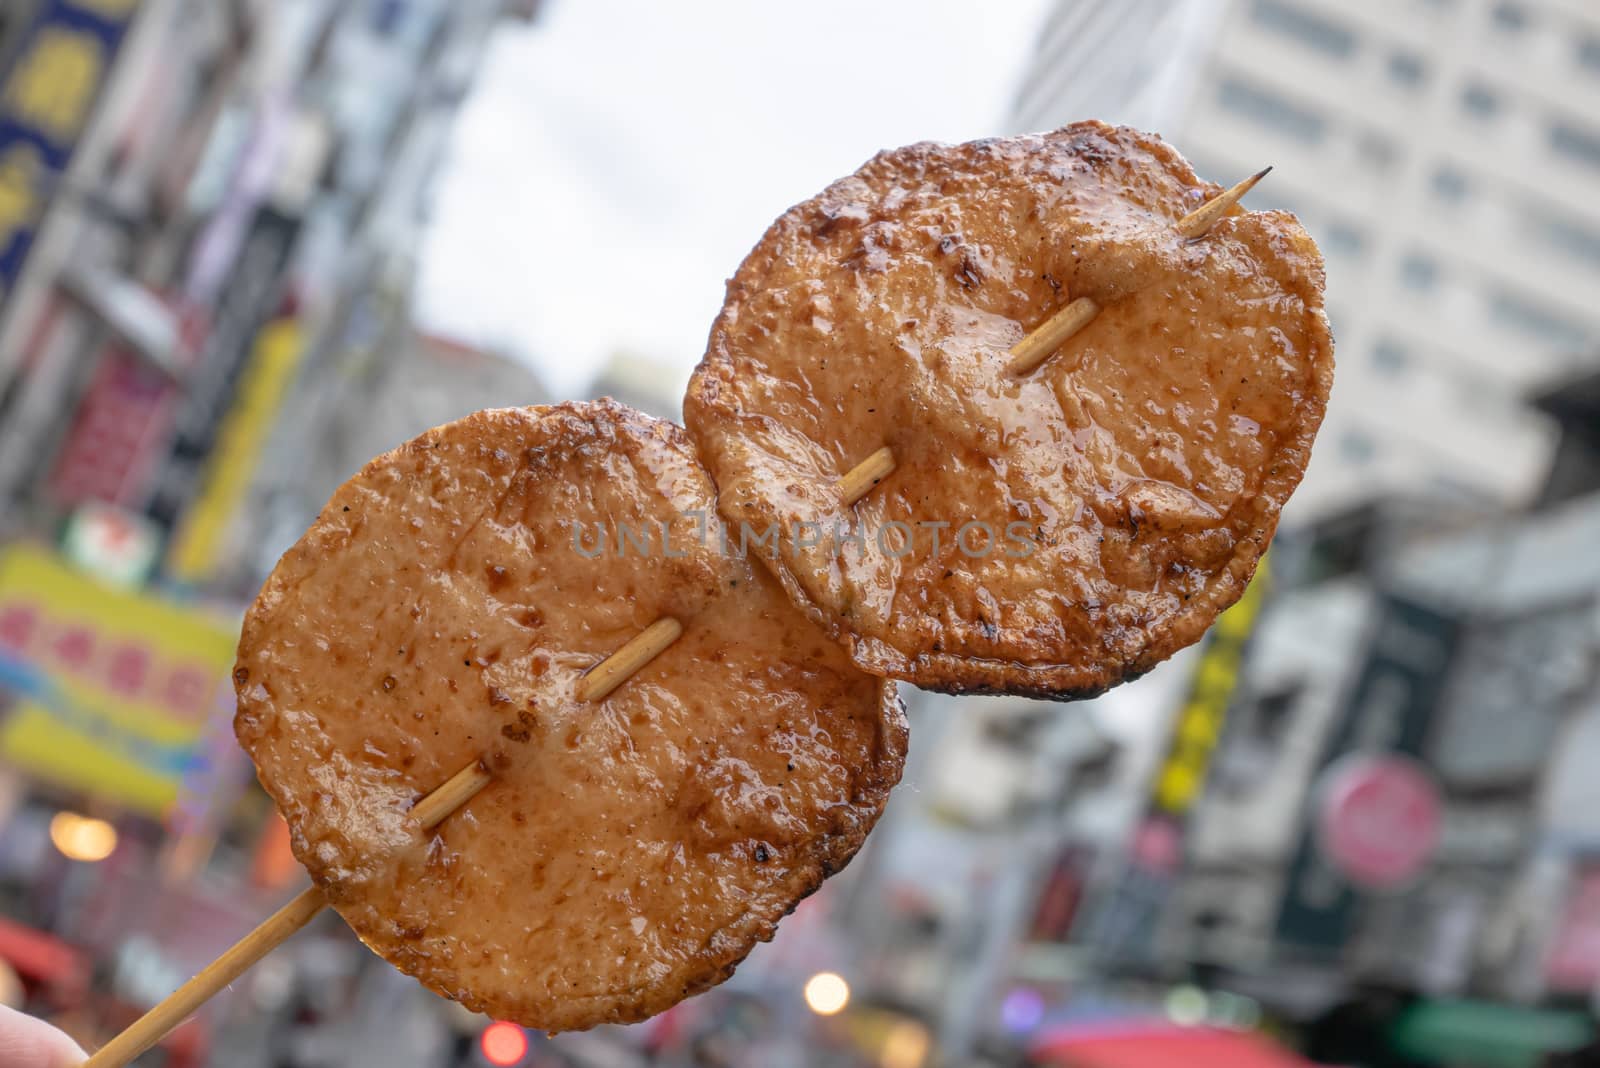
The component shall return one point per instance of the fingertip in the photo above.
(26, 1042)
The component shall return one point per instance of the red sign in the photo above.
(122, 425)
(122, 420)
(1379, 819)
(1574, 961)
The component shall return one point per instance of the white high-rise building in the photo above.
(1446, 156)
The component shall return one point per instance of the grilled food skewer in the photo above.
(1054, 332)
(598, 683)
(431, 811)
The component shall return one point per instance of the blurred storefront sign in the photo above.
(115, 546)
(1199, 724)
(109, 689)
(1379, 819)
(1573, 963)
(230, 183)
(112, 452)
(253, 292)
(1535, 662)
(201, 539)
(1483, 1034)
(47, 93)
(1391, 707)
(1124, 923)
(1061, 894)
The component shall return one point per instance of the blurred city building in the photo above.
(1444, 154)
(1371, 785)
(1134, 63)
(1402, 791)
(208, 217)
(1366, 794)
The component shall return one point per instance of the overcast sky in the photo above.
(618, 159)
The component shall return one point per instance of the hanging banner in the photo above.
(1124, 920)
(1391, 710)
(47, 94)
(202, 538)
(254, 290)
(104, 690)
(1199, 724)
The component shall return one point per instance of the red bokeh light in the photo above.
(503, 1044)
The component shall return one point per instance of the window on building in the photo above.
(1508, 17)
(1568, 236)
(1344, 241)
(1419, 272)
(1406, 69)
(1266, 108)
(1480, 101)
(1516, 313)
(1578, 145)
(1256, 731)
(1357, 446)
(1311, 29)
(1390, 356)
(1589, 55)
(1375, 153)
(1450, 185)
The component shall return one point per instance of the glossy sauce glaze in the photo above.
(1128, 484)
(628, 852)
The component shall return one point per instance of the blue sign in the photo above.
(47, 93)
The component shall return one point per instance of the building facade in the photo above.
(1469, 647)
(1444, 153)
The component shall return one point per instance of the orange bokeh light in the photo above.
(503, 1044)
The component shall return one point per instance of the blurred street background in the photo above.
(247, 244)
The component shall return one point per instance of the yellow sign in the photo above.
(200, 540)
(1199, 723)
(54, 83)
(20, 172)
(103, 690)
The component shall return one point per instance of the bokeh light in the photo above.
(503, 1044)
(82, 837)
(827, 993)
(1022, 1009)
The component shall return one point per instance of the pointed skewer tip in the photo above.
(1197, 222)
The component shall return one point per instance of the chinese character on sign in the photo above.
(188, 691)
(54, 82)
(18, 624)
(128, 670)
(20, 171)
(74, 648)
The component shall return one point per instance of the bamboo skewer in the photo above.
(1040, 345)
(1197, 222)
(615, 669)
(855, 483)
(431, 811)
(596, 685)
(456, 791)
(1054, 332)
(154, 1025)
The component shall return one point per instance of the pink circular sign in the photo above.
(1379, 819)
